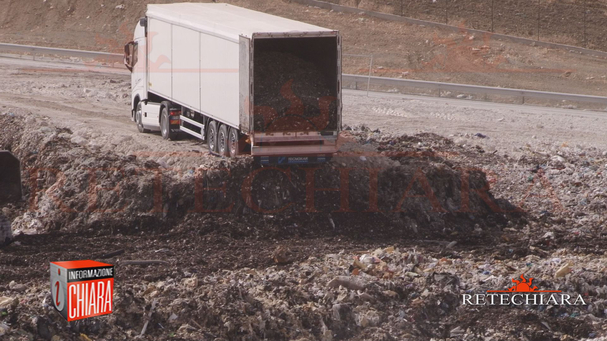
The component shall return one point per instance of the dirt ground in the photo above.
(559, 21)
(399, 50)
(266, 269)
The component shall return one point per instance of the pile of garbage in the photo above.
(561, 187)
(401, 293)
(291, 94)
(77, 188)
(273, 268)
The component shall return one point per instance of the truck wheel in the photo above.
(165, 124)
(212, 136)
(138, 116)
(222, 141)
(233, 142)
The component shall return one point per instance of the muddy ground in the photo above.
(432, 218)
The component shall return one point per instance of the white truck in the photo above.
(245, 82)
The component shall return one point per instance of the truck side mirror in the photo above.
(128, 55)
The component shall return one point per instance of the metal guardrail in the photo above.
(465, 88)
(462, 88)
(39, 50)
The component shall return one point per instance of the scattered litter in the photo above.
(562, 272)
(16, 286)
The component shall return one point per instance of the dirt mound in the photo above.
(72, 188)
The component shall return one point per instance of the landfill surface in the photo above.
(272, 267)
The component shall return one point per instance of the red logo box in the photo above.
(82, 289)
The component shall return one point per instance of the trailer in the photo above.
(243, 81)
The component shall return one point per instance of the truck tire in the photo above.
(138, 115)
(212, 136)
(233, 142)
(222, 141)
(165, 124)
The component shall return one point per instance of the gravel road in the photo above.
(95, 105)
(508, 128)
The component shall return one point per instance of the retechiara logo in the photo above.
(522, 293)
(82, 289)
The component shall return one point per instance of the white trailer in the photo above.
(202, 69)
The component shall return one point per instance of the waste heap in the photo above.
(288, 91)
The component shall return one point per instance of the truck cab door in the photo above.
(135, 61)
